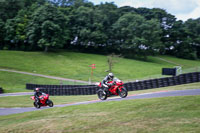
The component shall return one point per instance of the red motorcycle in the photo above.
(115, 89)
(44, 101)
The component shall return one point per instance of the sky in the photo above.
(181, 9)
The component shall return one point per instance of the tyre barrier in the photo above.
(33, 86)
(164, 82)
(71, 91)
(130, 86)
(1, 90)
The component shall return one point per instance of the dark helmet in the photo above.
(37, 89)
(111, 75)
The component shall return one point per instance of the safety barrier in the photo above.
(164, 82)
(65, 89)
(33, 86)
(1, 90)
(130, 86)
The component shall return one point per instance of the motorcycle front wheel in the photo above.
(123, 93)
(102, 95)
(50, 103)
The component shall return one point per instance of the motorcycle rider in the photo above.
(105, 81)
(37, 94)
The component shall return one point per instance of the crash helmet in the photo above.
(111, 75)
(37, 89)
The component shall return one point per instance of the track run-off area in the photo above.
(8, 111)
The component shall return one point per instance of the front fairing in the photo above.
(43, 98)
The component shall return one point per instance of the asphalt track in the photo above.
(16, 94)
(8, 111)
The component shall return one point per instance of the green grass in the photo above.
(15, 82)
(76, 66)
(187, 65)
(25, 101)
(158, 115)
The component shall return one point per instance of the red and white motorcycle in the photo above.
(116, 88)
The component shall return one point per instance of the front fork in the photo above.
(120, 88)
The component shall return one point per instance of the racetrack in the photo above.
(7, 111)
(16, 94)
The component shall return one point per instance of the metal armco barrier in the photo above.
(130, 86)
(1, 90)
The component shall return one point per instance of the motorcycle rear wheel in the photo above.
(36, 105)
(102, 95)
(123, 93)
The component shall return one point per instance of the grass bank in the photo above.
(15, 82)
(76, 66)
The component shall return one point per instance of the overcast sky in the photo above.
(182, 9)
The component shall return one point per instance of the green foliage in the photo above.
(184, 38)
(10, 32)
(2, 34)
(137, 35)
(9, 8)
(48, 27)
(104, 28)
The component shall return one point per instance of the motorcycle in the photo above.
(43, 101)
(116, 88)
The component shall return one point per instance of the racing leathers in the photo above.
(37, 94)
(105, 83)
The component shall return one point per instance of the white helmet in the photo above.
(37, 89)
(111, 75)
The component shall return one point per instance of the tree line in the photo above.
(104, 28)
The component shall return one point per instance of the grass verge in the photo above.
(157, 115)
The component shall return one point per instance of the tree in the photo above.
(166, 22)
(187, 43)
(10, 34)
(49, 35)
(2, 34)
(16, 30)
(87, 27)
(193, 27)
(112, 60)
(109, 14)
(127, 9)
(48, 28)
(68, 3)
(136, 35)
(9, 8)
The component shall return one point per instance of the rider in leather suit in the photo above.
(37, 94)
(105, 81)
